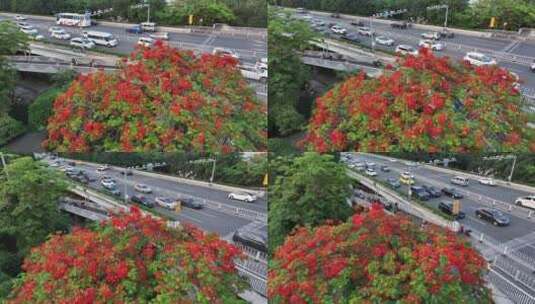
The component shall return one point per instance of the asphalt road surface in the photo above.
(412, 36)
(249, 50)
(207, 219)
(520, 227)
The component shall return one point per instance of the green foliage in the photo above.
(11, 38)
(307, 191)
(41, 108)
(9, 128)
(287, 74)
(28, 212)
(205, 12)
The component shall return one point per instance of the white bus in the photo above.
(69, 19)
(101, 38)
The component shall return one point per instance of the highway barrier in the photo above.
(516, 294)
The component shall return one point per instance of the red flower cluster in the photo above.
(131, 258)
(375, 257)
(428, 104)
(163, 99)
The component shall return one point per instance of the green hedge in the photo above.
(9, 129)
(41, 109)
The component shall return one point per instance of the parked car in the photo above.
(459, 180)
(60, 34)
(190, 203)
(254, 239)
(432, 191)
(493, 216)
(142, 200)
(431, 44)
(487, 181)
(83, 43)
(526, 201)
(479, 59)
(405, 49)
(399, 25)
(166, 202)
(371, 172)
(242, 196)
(365, 31)
(383, 40)
(451, 192)
(394, 183)
(431, 35)
(351, 37)
(142, 188)
(447, 208)
(338, 30)
(420, 193)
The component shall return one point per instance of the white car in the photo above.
(145, 41)
(479, 59)
(338, 30)
(407, 174)
(166, 202)
(433, 35)
(28, 29)
(103, 168)
(242, 196)
(20, 18)
(365, 31)
(142, 188)
(532, 67)
(108, 183)
(262, 64)
(82, 43)
(60, 34)
(225, 52)
(383, 40)
(54, 29)
(431, 44)
(526, 201)
(36, 36)
(487, 181)
(371, 172)
(160, 36)
(404, 49)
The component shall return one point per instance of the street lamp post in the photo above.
(213, 171)
(512, 169)
(4, 164)
(438, 7)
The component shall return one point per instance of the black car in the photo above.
(494, 216)
(393, 182)
(446, 34)
(254, 239)
(351, 37)
(335, 15)
(432, 191)
(447, 207)
(190, 203)
(385, 168)
(357, 23)
(128, 172)
(420, 193)
(451, 192)
(142, 200)
(114, 192)
(81, 179)
(399, 25)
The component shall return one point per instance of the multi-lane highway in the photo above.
(476, 196)
(456, 48)
(249, 48)
(208, 219)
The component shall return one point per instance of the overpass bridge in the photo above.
(340, 63)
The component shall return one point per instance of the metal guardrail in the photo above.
(257, 283)
(521, 276)
(511, 290)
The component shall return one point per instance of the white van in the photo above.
(459, 180)
(101, 38)
(526, 201)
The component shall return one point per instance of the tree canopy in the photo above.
(287, 73)
(429, 104)
(163, 99)
(377, 258)
(132, 258)
(307, 191)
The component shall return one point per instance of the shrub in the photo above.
(9, 129)
(41, 108)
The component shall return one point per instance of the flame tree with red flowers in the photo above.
(428, 104)
(376, 258)
(162, 99)
(132, 258)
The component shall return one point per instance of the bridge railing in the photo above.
(516, 294)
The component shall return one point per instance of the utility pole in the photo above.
(438, 7)
(4, 164)
(213, 171)
(148, 10)
(512, 169)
